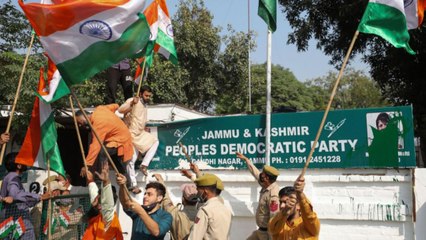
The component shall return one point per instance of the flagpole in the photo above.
(333, 93)
(78, 134)
(98, 139)
(49, 206)
(140, 82)
(184, 152)
(15, 101)
(249, 49)
(268, 100)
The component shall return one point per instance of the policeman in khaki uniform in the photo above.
(268, 199)
(183, 214)
(213, 220)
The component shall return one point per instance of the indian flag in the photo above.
(57, 86)
(64, 219)
(386, 18)
(138, 71)
(40, 141)
(19, 228)
(6, 227)
(52, 226)
(161, 27)
(87, 36)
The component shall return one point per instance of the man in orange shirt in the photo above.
(103, 220)
(296, 219)
(113, 133)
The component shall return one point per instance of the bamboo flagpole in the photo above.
(15, 101)
(184, 151)
(49, 202)
(333, 93)
(78, 134)
(98, 139)
(141, 78)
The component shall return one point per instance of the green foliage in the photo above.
(355, 90)
(15, 32)
(286, 90)
(168, 82)
(9, 73)
(233, 73)
(197, 44)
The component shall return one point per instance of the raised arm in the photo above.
(253, 169)
(107, 198)
(309, 217)
(135, 207)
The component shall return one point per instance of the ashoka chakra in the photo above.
(97, 29)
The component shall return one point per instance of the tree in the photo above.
(14, 30)
(399, 75)
(354, 91)
(233, 75)
(287, 91)
(197, 45)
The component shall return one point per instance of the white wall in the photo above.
(420, 196)
(351, 203)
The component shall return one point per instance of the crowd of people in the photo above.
(284, 213)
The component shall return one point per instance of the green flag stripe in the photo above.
(388, 23)
(49, 144)
(167, 43)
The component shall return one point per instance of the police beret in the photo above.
(209, 179)
(271, 171)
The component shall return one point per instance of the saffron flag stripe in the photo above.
(117, 20)
(74, 12)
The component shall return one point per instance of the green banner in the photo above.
(359, 138)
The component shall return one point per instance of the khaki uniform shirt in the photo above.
(213, 221)
(182, 219)
(136, 121)
(268, 200)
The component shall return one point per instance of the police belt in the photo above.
(263, 229)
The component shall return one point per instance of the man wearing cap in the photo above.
(183, 219)
(268, 199)
(213, 220)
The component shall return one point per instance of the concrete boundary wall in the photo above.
(351, 203)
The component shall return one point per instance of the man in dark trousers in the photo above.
(119, 73)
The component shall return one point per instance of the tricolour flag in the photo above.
(161, 29)
(386, 18)
(57, 86)
(40, 140)
(19, 228)
(64, 219)
(52, 226)
(138, 71)
(268, 12)
(6, 227)
(87, 36)
(414, 12)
